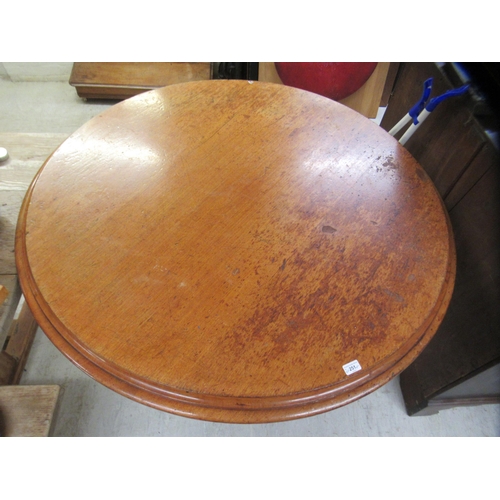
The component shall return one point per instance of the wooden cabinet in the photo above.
(460, 366)
(120, 80)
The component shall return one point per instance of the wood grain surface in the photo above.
(27, 410)
(221, 249)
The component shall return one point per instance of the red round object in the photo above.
(331, 79)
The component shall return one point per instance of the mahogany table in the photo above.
(235, 251)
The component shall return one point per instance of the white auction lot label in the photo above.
(352, 367)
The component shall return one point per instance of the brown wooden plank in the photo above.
(7, 367)
(4, 292)
(20, 340)
(8, 308)
(124, 79)
(27, 411)
(105, 92)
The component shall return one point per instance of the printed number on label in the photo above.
(352, 367)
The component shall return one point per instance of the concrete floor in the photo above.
(36, 97)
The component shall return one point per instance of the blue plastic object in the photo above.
(436, 100)
(419, 107)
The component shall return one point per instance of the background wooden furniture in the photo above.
(226, 249)
(460, 366)
(24, 411)
(123, 80)
(113, 80)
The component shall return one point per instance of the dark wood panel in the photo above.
(479, 164)
(468, 339)
(459, 157)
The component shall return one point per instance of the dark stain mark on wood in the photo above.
(328, 229)
(389, 162)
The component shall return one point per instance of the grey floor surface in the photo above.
(36, 97)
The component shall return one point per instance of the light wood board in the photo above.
(27, 411)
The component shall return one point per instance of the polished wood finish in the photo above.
(455, 151)
(221, 249)
(27, 411)
(121, 80)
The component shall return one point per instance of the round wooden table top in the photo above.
(236, 251)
